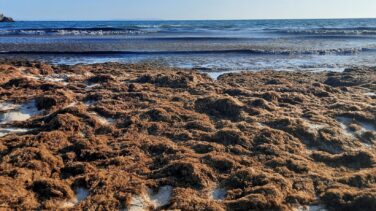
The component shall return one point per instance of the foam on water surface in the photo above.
(216, 45)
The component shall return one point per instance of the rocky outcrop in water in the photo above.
(138, 137)
(5, 19)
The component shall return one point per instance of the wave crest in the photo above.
(328, 31)
(76, 31)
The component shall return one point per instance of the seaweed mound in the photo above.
(138, 137)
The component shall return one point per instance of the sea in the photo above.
(209, 46)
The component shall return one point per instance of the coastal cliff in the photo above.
(5, 19)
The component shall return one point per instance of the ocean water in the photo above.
(214, 46)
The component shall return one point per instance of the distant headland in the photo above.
(5, 18)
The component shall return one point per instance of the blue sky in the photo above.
(185, 9)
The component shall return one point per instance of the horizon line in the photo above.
(155, 19)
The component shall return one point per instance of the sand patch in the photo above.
(6, 106)
(370, 94)
(91, 86)
(363, 128)
(311, 208)
(216, 75)
(81, 194)
(10, 130)
(57, 79)
(155, 200)
(218, 194)
(20, 113)
(90, 102)
(314, 127)
(346, 121)
(101, 119)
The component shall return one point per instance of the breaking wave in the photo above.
(343, 51)
(327, 31)
(77, 31)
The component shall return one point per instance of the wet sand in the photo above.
(139, 137)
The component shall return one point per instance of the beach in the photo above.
(114, 136)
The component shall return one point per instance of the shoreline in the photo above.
(124, 136)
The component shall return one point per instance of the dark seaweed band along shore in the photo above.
(130, 137)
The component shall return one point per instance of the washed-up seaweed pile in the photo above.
(140, 137)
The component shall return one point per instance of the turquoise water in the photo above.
(205, 45)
